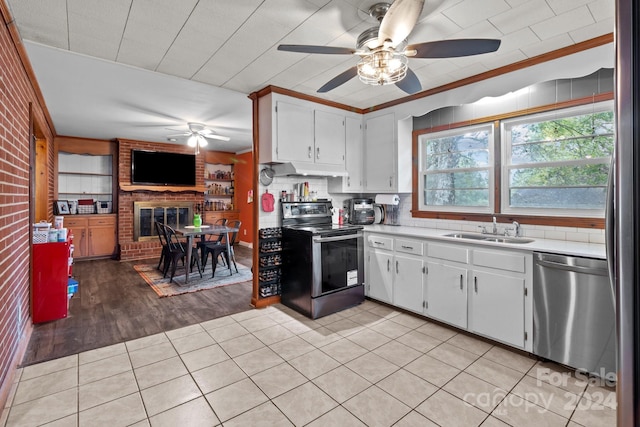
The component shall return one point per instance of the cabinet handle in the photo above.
(461, 278)
(397, 271)
(388, 265)
(407, 247)
(390, 181)
(318, 153)
(309, 152)
(475, 283)
(348, 181)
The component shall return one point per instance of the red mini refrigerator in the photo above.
(49, 287)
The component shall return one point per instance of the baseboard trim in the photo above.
(7, 384)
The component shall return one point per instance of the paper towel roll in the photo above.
(388, 199)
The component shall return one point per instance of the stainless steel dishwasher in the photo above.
(573, 313)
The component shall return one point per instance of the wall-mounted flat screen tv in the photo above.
(160, 168)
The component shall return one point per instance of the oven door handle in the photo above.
(318, 239)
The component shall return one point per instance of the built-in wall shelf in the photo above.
(161, 188)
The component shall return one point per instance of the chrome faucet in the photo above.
(495, 226)
(516, 226)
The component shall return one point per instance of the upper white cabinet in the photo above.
(295, 130)
(354, 146)
(329, 132)
(294, 133)
(379, 155)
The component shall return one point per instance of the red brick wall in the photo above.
(130, 250)
(16, 93)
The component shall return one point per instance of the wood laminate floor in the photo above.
(114, 304)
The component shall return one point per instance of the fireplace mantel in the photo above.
(162, 188)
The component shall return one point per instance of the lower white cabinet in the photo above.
(446, 293)
(408, 284)
(379, 280)
(482, 290)
(496, 307)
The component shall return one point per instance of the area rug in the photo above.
(164, 288)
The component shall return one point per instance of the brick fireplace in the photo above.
(131, 247)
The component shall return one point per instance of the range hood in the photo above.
(308, 169)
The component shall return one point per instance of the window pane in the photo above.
(567, 127)
(569, 149)
(576, 151)
(561, 176)
(457, 189)
(463, 151)
(446, 197)
(558, 198)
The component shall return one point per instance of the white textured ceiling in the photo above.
(132, 68)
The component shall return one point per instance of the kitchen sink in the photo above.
(489, 238)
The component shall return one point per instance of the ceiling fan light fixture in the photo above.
(192, 141)
(382, 68)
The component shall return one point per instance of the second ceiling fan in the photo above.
(384, 52)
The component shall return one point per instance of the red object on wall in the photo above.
(50, 275)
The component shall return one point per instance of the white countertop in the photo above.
(590, 250)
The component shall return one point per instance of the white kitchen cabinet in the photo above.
(499, 296)
(485, 290)
(329, 138)
(446, 293)
(354, 147)
(301, 131)
(380, 154)
(496, 307)
(295, 125)
(408, 282)
(395, 271)
(379, 283)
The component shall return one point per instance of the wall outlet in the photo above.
(245, 232)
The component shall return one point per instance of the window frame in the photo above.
(505, 141)
(561, 221)
(423, 172)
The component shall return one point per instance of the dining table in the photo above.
(191, 231)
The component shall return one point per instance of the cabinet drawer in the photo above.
(105, 220)
(380, 242)
(72, 222)
(448, 252)
(500, 260)
(409, 246)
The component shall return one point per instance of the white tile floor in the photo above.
(366, 366)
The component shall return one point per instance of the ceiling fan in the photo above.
(198, 135)
(384, 52)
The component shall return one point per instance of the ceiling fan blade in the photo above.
(339, 79)
(215, 136)
(410, 84)
(179, 134)
(399, 21)
(453, 48)
(303, 48)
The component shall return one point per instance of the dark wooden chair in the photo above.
(164, 257)
(220, 248)
(177, 251)
(210, 240)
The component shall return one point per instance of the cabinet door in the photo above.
(78, 228)
(353, 160)
(329, 138)
(497, 307)
(447, 293)
(294, 132)
(380, 154)
(102, 240)
(380, 277)
(407, 285)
